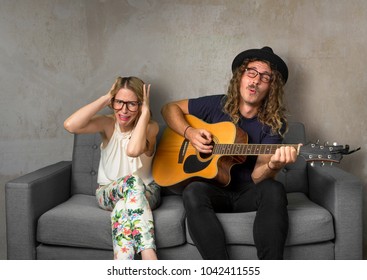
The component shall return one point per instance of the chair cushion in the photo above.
(80, 222)
(308, 223)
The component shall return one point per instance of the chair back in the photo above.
(294, 176)
(86, 156)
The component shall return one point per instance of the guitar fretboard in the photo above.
(248, 149)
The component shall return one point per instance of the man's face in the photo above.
(255, 83)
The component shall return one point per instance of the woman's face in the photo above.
(126, 107)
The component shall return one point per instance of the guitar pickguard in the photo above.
(192, 164)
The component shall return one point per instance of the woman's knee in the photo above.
(133, 182)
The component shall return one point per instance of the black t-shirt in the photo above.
(210, 110)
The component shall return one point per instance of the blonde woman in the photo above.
(125, 184)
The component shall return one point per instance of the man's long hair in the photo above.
(272, 112)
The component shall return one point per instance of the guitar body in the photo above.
(177, 162)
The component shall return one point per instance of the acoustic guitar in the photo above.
(177, 162)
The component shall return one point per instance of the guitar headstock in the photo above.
(314, 152)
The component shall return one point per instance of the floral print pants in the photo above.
(131, 203)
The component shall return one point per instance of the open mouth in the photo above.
(252, 90)
(123, 118)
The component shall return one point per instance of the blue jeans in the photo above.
(268, 198)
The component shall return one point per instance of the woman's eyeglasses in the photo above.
(118, 104)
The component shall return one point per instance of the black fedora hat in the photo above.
(265, 53)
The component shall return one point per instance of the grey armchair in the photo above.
(52, 213)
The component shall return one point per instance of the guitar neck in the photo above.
(249, 149)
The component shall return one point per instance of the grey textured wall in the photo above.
(57, 55)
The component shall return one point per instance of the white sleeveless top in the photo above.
(114, 162)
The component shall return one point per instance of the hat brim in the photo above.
(275, 60)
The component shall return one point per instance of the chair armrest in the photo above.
(341, 193)
(26, 199)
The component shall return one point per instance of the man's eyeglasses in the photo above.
(252, 73)
(118, 104)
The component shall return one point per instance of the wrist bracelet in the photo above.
(273, 169)
(187, 127)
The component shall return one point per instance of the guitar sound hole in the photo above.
(205, 156)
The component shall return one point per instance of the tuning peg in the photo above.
(326, 143)
(312, 164)
(318, 141)
(322, 163)
(335, 144)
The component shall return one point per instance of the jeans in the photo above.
(268, 198)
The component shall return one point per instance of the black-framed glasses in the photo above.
(118, 104)
(252, 73)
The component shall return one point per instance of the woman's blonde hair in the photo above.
(132, 83)
(272, 111)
